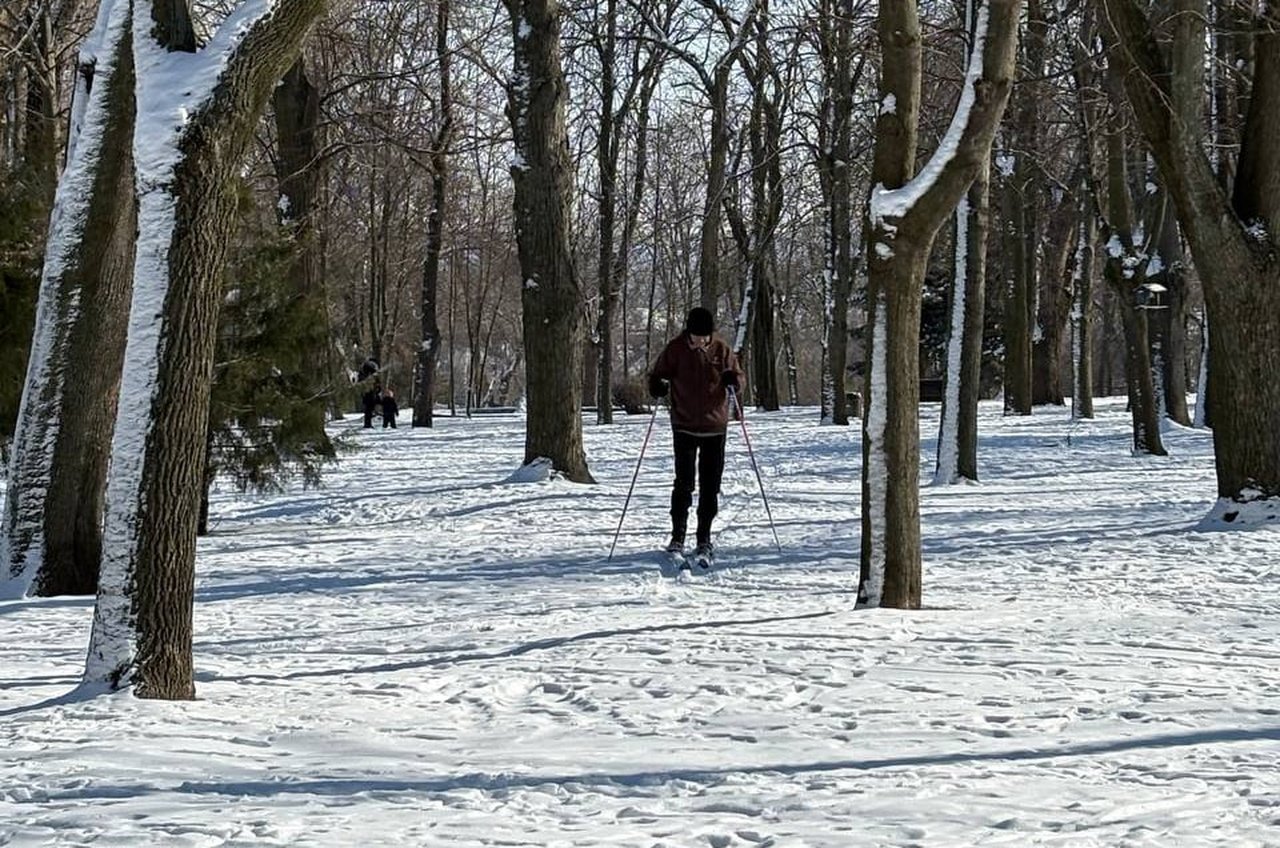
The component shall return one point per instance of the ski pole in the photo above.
(742, 419)
(647, 433)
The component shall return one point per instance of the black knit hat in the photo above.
(700, 322)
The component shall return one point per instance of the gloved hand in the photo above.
(729, 379)
(658, 387)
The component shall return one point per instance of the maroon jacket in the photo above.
(699, 402)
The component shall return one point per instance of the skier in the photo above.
(697, 368)
(389, 409)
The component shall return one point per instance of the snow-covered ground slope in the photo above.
(419, 654)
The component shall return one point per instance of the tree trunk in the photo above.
(1054, 303)
(297, 112)
(904, 216)
(551, 298)
(1082, 321)
(717, 182)
(607, 165)
(838, 103)
(764, 350)
(142, 622)
(1168, 326)
(1144, 405)
(1021, 309)
(52, 535)
(429, 347)
(1126, 268)
(958, 432)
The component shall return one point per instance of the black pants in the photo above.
(703, 455)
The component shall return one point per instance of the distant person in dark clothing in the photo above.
(370, 400)
(696, 369)
(389, 409)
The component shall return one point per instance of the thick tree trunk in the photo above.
(717, 181)
(52, 535)
(551, 298)
(297, 113)
(904, 216)
(429, 347)
(1054, 304)
(186, 214)
(1125, 270)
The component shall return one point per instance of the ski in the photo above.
(675, 564)
(684, 565)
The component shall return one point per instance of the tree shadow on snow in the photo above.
(346, 787)
(461, 658)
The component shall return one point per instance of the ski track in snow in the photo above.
(418, 654)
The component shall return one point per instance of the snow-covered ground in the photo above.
(419, 654)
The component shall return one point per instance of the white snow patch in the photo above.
(539, 470)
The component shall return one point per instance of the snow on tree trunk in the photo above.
(875, 478)
(51, 538)
(196, 116)
(978, 230)
(947, 469)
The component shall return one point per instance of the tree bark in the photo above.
(297, 113)
(142, 622)
(958, 432)
(1082, 320)
(607, 143)
(429, 347)
(903, 218)
(52, 535)
(1054, 304)
(834, 167)
(1020, 309)
(1125, 270)
(551, 297)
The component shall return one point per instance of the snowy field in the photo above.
(420, 654)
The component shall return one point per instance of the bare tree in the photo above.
(551, 297)
(429, 349)
(904, 216)
(835, 24)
